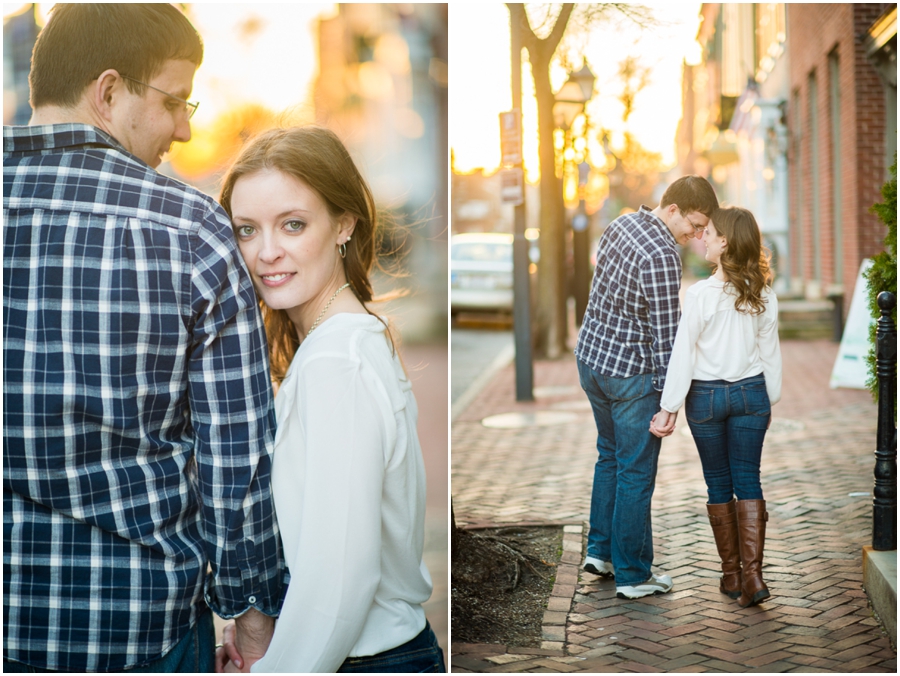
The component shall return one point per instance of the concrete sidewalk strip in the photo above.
(817, 476)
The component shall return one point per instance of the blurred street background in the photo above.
(376, 74)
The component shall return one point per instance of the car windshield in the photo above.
(485, 252)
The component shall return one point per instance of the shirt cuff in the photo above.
(263, 595)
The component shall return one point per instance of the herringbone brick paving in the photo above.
(818, 452)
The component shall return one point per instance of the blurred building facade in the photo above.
(382, 87)
(843, 130)
(20, 30)
(792, 114)
(476, 205)
(734, 130)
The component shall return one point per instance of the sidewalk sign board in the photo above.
(850, 368)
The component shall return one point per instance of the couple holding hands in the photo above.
(641, 360)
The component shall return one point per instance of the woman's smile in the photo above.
(278, 279)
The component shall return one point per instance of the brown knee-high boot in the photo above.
(752, 517)
(724, 522)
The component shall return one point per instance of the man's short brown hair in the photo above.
(80, 41)
(691, 193)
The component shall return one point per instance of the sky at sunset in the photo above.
(263, 54)
(259, 52)
(480, 79)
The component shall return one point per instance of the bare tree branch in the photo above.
(559, 27)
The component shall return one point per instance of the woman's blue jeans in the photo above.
(420, 655)
(729, 422)
(625, 472)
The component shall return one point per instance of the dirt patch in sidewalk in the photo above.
(501, 579)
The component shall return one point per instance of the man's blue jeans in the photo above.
(728, 422)
(194, 654)
(625, 473)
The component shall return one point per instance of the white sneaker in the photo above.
(598, 567)
(657, 584)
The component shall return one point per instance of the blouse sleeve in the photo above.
(770, 348)
(345, 426)
(681, 364)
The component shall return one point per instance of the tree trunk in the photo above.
(551, 291)
(550, 315)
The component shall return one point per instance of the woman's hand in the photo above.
(228, 659)
(663, 423)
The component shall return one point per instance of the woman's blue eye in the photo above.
(294, 226)
(244, 230)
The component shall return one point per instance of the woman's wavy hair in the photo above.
(318, 158)
(744, 261)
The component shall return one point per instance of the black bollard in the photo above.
(884, 504)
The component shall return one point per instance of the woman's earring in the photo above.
(342, 249)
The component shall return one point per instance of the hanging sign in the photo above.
(510, 138)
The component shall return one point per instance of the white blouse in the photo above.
(349, 487)
(716, 342)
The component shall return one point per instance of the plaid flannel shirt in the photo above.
(633, 311)
(138, 416)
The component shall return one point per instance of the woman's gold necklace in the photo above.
(327, 305)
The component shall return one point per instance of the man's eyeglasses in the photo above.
(189, 106)
(697, 228)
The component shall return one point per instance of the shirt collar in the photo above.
(23, 139)
(647, 215)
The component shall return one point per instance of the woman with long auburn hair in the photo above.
(347, 475)
(726, 371)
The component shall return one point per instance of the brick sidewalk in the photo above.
(818, 452)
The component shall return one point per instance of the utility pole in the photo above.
(521, 281)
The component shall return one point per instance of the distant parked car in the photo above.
(481, 272)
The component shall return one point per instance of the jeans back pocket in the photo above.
(698, 406)
(756, 400)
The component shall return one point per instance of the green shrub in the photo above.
(882, 276)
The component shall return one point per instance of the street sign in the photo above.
(510, 137)
(512, 186)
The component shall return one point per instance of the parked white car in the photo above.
(481, 272)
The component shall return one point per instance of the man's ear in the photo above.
(105, 93)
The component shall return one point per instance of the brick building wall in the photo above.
(817, 33)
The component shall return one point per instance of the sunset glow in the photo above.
(480, 80)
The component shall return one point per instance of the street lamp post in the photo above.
(581, 245)
(571, 100)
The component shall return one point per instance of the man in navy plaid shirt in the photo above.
(138, 418)
(623, 352)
